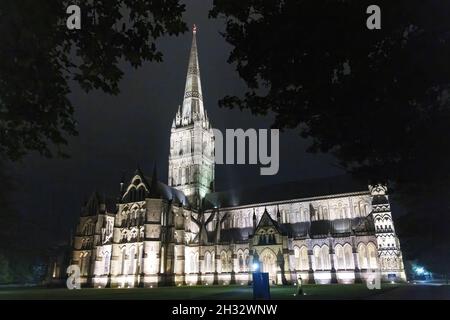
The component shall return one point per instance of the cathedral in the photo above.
(332, 230)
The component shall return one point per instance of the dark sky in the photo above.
(116, 133)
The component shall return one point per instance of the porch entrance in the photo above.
(269, 264)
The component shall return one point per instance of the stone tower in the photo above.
(389, 253)
(191, 158)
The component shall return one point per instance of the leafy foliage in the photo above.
(40, 57)
(376, 99)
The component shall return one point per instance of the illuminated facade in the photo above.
(324, 231)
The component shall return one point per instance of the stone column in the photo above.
(311, 279)
(141, 267)
(180, 264)
(233, 264)
(333, 269)
(216, 265)
(358, 278)
(250, 268)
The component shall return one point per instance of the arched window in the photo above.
(124, 261)
(304, 263)
(85, 244)
(223, 262)
(109, 227)
(362, 208)
(273, 239)
(325, 255)
(301, 258)
(133, 194)
(241, 260)
(339, 251)
(356, 211)
(88, 228)
(208, 265)
(193, 262)
(325, 213)
(306, 215)
(344, 256)
(362, 256)
(141, 194)
(84, 263)
(229, 261)
(317, 258)
(372, 256)
(348, 257)
(141, 217)
(346, 212)
(339, 211)
(297, 257)
(367, 209)
(132, 259)
(246, 260)
(196, 261)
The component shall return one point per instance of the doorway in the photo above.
(269, 264)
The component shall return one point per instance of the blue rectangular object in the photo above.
(261, 288)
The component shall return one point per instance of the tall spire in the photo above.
(193, 100)
(192, 135)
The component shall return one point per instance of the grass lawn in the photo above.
(332, 291)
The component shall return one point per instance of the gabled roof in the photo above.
(156, 189)
(310, 188)
(171, 194)
(267, 221)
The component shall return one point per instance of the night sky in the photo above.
(118, 133)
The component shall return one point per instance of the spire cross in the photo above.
(194, 29)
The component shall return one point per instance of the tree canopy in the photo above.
(376, 99)
(40, 57)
